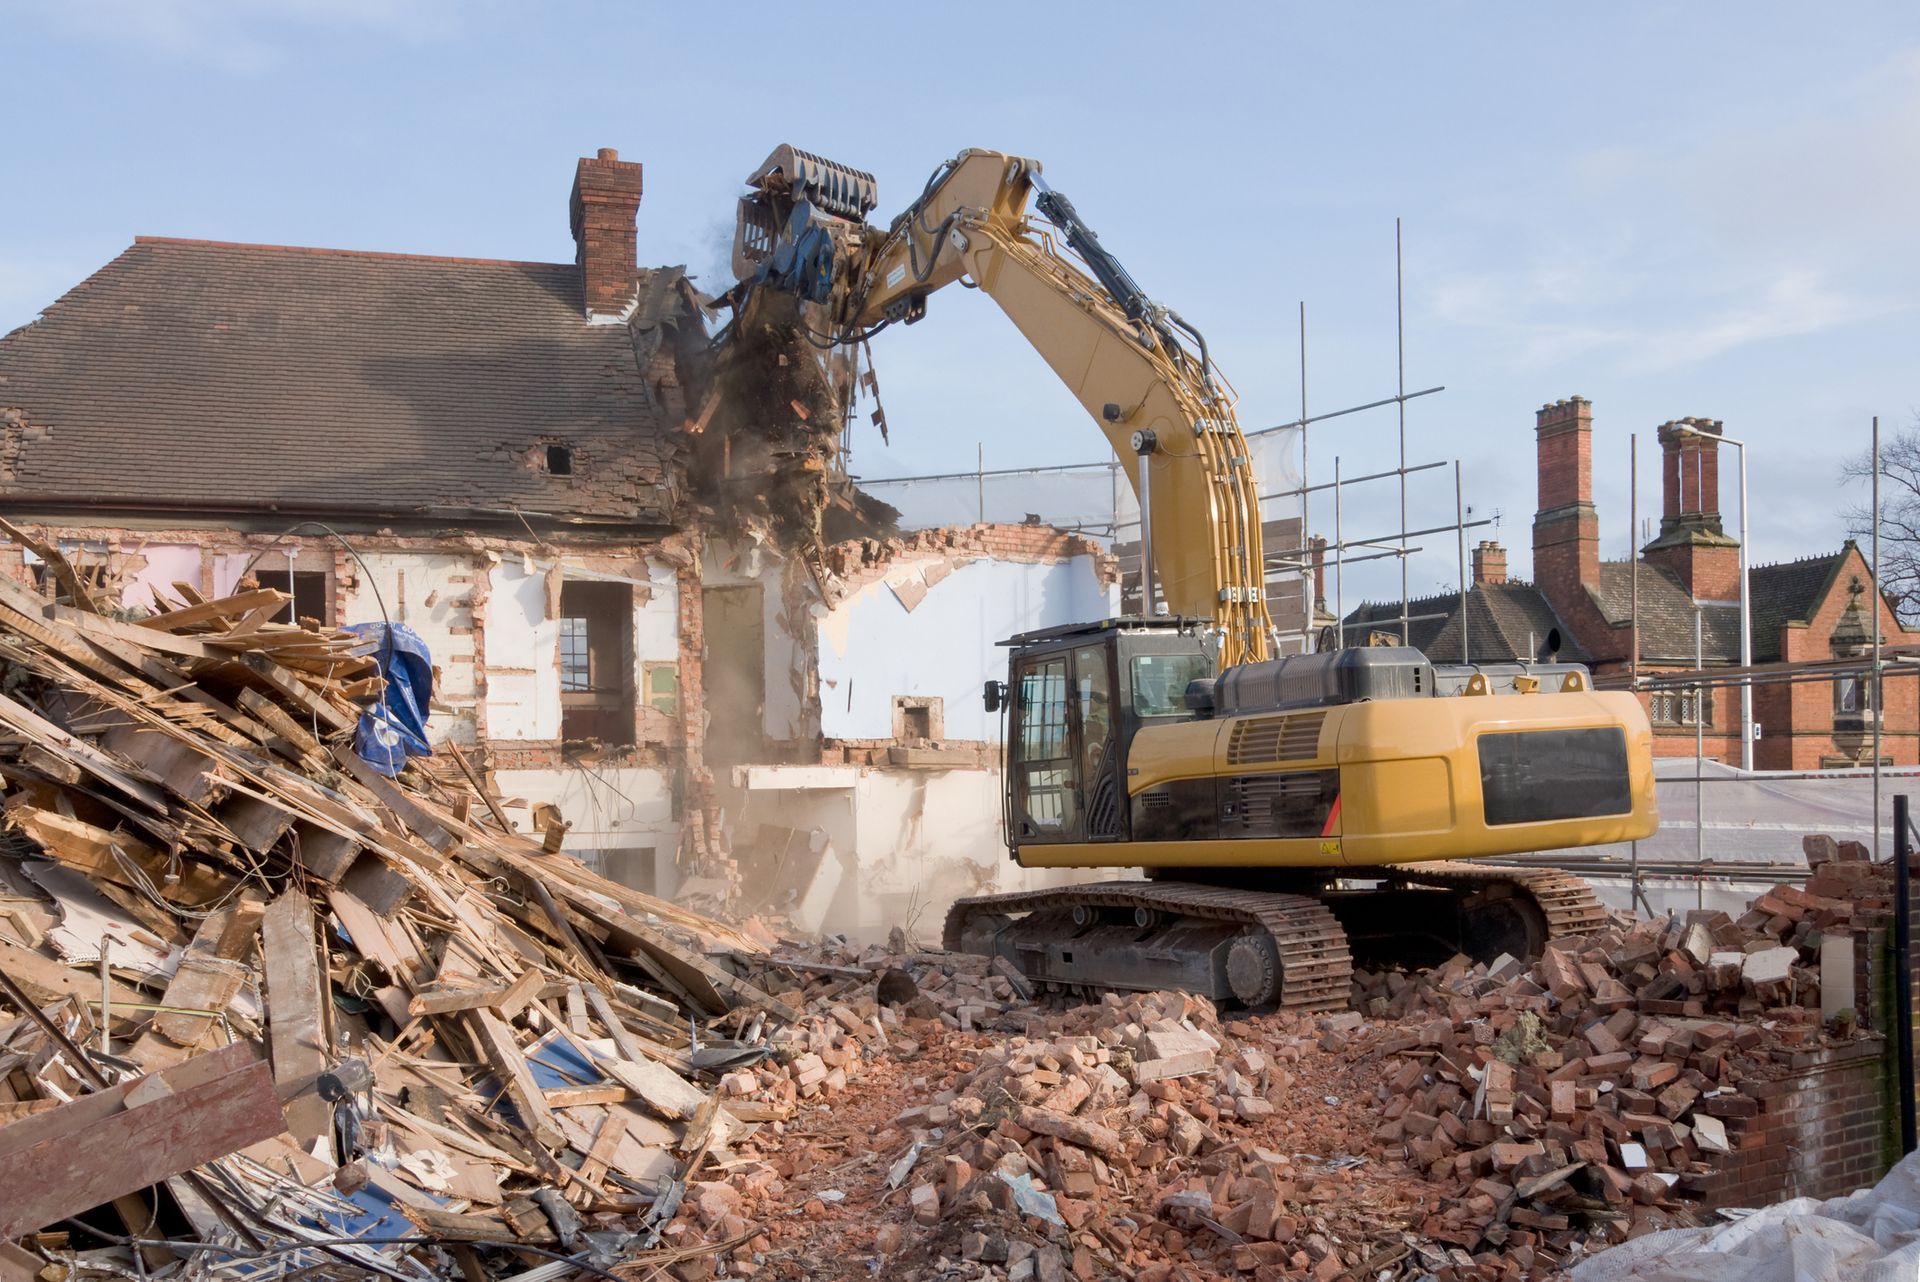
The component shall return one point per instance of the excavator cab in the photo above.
(1075, 699)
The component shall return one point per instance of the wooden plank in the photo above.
(587, 1096)
(506, 999)
(211, 974)
(416, 817)
(117, 856)
(606, 1142)
(291, 688)
(46, 981)
(372, 939)
(495, 1040)
(99, 625)
(122, 1139)
(296, 1028)
(39, 730)
(275, 718)
(213, 611)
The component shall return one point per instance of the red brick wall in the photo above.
(1818, 1130)
(1799, 721)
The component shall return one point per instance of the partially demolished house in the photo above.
(495, 454)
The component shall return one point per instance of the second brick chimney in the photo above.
(606, 197)
(1692, 542)
(1566, 529)
(1489, 563)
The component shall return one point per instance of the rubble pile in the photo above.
(268, 1009)
(1471, 1121)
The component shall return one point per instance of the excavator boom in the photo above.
(1142, 373)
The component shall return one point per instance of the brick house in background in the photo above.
(1814, 608)
(495, 454)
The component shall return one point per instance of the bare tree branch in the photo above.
(1899, 516)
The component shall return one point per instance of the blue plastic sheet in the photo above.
(396, 727)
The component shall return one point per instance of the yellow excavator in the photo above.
(1288, 812)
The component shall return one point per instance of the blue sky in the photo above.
(1670, 209)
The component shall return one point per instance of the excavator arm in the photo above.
(1140, 371)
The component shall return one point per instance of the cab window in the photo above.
(1160, 683)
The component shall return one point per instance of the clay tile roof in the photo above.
(1505, 622)
(1786, 593)
(226, 377)
(1666, 615)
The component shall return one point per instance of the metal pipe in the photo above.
(1873, 686)
(1339, 578)
(1355, 480)
(1400, 401)
(1699, 764)
(1306, 527)
(1460, 549)
(1633, 553)
(1144, 444)
(1903, 964)
(1303, 420)
(1746, 625)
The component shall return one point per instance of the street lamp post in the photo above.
(1746, 618)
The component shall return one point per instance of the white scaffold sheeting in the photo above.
(1754, 818)
(1869, 1236)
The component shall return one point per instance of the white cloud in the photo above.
(240, 36)
(1658, 257)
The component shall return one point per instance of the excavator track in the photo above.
(1565, 902)
(1257, 947)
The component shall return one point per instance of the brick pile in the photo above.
(1469, 1121)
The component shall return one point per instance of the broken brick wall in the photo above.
(880, 783)
(1818, 1130)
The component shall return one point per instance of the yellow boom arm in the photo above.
(1140, 371)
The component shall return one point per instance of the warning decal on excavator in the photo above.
(898, 274)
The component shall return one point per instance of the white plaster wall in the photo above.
(522, 656)
(612, 810)
(167, 564)
(910, 841)
(873, 648)
(406, 581)
(783, 716)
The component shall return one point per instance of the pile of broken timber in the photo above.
(255, 996)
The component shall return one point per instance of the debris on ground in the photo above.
(1872, 1235)
(271, 1011)
(345, 1024)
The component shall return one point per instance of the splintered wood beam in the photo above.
(210, 976)
(296, 1024)
(495, 1039)
(213, 611)
(120, 1140)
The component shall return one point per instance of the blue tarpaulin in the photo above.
(396, 727)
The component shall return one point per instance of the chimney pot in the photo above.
(609, 153)
(1489, 563)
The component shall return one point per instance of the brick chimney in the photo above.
(1489, 563)
(606, 196)
(1566, 529)
(1692, 543)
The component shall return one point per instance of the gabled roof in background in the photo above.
(210, 377)
(1505, 622)
(1788, 592)
(1666, 615)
